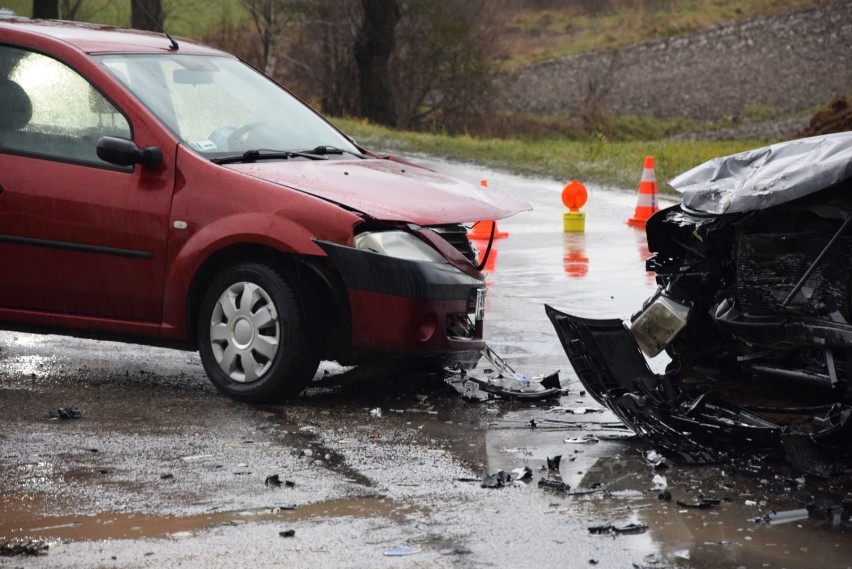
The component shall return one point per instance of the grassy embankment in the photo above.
(533, 34)
(597, 160)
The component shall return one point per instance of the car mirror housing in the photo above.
(124, 152)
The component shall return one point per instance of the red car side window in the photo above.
(53, 111)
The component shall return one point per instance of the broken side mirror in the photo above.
(124, 152)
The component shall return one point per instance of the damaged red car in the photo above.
(161, 191)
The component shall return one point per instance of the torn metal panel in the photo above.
(768, 176)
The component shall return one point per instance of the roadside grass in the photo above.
(611, 163)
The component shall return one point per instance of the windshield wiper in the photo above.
(254, 155)
(324, 149)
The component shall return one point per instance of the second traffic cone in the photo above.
(646, 205)
(482, 229)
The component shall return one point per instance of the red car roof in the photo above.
(99, 38)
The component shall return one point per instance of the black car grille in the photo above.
(770, 264)
(456, 235)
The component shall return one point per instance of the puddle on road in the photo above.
(19, 519)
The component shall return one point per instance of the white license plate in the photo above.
(479, 312)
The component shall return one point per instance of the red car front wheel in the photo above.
(252, 335)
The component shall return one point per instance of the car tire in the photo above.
(253, 335)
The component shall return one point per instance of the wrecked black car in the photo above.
(753, 306)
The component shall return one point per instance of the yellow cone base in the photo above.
(574, 221)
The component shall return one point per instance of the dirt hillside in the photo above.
(787, 64)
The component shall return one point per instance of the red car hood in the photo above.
(388, 190)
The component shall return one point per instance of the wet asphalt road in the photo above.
(162, 471)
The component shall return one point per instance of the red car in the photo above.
(165, 192)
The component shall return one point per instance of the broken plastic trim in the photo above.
(688, 426)
(504, 382)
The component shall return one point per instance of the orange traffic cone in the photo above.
(646, 205)
(482, 229)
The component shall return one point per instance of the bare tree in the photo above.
(442, 68)
(373, 49)
(147, 15)
(68, 9)
(45, 9)
(412, 64)
(83, 10)
(271, 19)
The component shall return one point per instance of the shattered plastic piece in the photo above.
(194, 457)
(604, 527)
(401, 551)
(784, 517)
(665, 496)
(167, 476)
(551, 381)
(66, 413)
(655, 459)
(585, 440)
(553, 463)
(506, 383)
(287, 533)
(592, 489)
(659, 482)
(272, 480)
(15, 547)
(524, 473)
(700, 505)
(496, 480)
(630, 528)
(554, 484)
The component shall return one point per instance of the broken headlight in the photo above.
(398, 244)
(659, 322)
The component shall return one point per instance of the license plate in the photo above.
(479, 311)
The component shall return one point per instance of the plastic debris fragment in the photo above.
(66, 413)
(401, 551)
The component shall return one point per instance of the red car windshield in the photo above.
(219, 106)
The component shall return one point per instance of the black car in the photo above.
(753, 306)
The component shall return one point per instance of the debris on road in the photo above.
(701, 504)
(502, 382)
(66, 413)
(553, 463)
(275, 480)
(496, 480)
(14, 547)
(401, 551)
(584, 440)
(783, 517)
(609, 528)
(554, 484)
(287, 533)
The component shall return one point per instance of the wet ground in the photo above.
(160, 470)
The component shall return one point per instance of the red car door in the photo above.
(78, 236)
